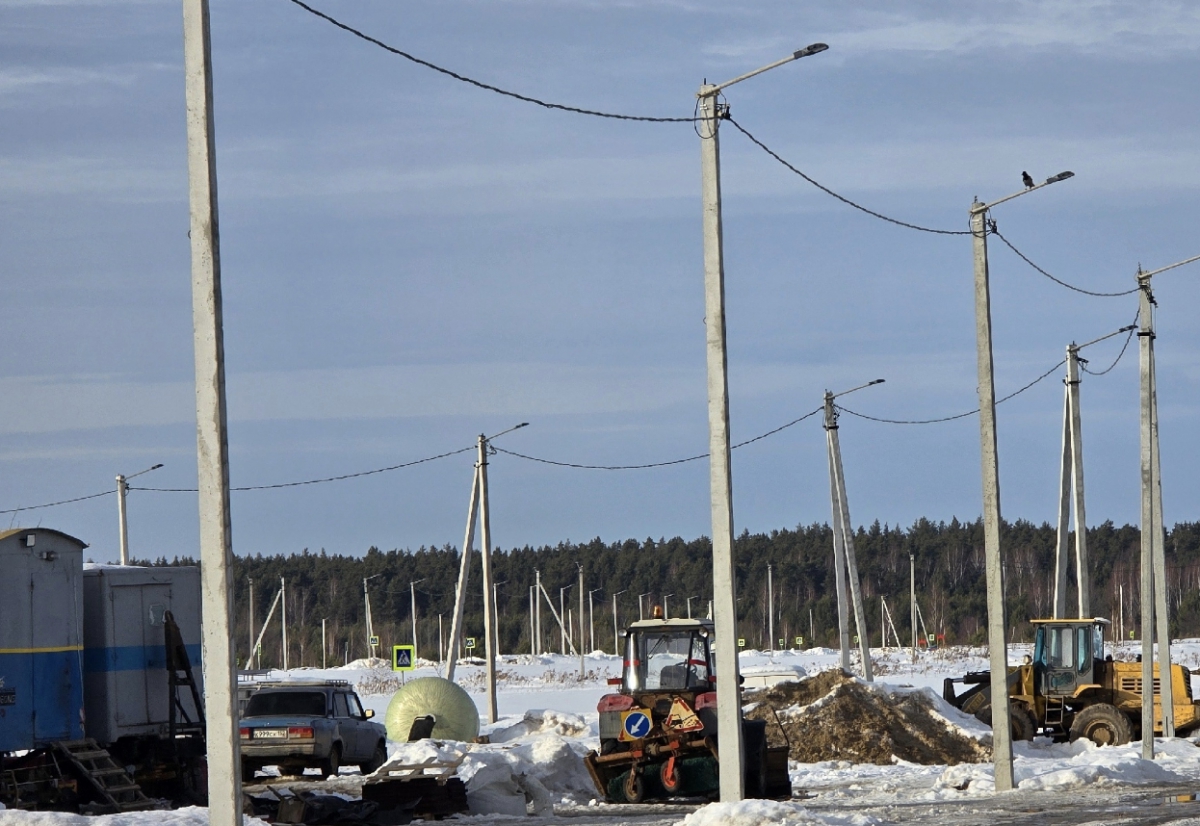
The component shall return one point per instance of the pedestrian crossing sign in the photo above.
(404, 658)
(470, 643)
(741, 642)
(374, 640)
(799, 640)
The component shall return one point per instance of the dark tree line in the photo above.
(948, 560)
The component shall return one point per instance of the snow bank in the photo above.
(543, 721)
(1043, 766)
(756, 812)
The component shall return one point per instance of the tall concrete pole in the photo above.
(211, 434)
(912, 604)
(1062, 546)
(616, 628)
(412, 590)
(324, 638)
(250, 623)
(1145, 337)
(839, 538)
(1161, 611)
(997, 649)
(1083, 569)
(841, 504)
(122, 524)
(283, 619)
(729, 724)
(770, 609)
(582, 641)
(537, 608)
(489, 605)
(464, 576)
(532, 644)
(212, 438)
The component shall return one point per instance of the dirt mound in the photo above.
(860, 723)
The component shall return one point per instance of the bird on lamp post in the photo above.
(1027, 179)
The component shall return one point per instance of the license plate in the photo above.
(270, 734)
(8, 698)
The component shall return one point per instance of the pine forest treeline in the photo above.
(949, 585)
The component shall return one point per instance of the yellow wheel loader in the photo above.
(1072, 688)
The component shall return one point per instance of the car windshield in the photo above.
(286, 703)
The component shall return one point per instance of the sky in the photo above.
(409, 261)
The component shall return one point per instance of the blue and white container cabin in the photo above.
(124, 655)
(41, 650)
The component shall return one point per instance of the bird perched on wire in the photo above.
(1028, 181)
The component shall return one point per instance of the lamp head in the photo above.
(815, 48)
(1061, 176)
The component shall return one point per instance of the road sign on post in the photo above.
(741, 642)
(374, 640)
(470, 643)
(404, 657)
(799, 641)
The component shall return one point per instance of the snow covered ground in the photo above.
(548, 722)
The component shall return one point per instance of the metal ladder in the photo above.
(116, 790)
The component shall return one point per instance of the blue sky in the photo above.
(410, 261)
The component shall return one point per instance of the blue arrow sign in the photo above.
(637, 725)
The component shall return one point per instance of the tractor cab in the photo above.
(668, 656)
(1066, 653)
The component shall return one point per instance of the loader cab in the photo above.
(668, 655)
(1065, 654)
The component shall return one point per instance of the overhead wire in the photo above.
(478, 83)
(1058, 281)
(1014, 394)
(830, 192)
(60, 502)
(654, 464)
(1132, 329)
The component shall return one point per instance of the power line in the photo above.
(957, 415)
(60, 502)
(325, 479)
(1058, 281)
(829, 191)
(1124, 347)
(477, 83)
(655, 464)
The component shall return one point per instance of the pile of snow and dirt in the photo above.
(833, 716)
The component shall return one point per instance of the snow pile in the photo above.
(833, 716)
(542, 767)
(543, 721)
(756, 812)
(1041, 766)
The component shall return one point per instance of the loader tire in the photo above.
(1103, 724)
(1020, 721)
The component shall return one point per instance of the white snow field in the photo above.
(533, 768)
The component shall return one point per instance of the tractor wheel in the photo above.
(1020, 721)
(670, 777)
(634, 788)
(1103, 724)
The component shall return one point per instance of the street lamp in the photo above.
(729, 726)
(370, 625)
(592, 618)
(562, 617)
(997, 651)
(689, 605)
(616, 628)
(641, 614)
(412, 590)
(666, 613)
(122, 487)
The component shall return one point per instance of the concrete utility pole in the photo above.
(464, 576)
(122, 522)
(1071, 490)
(489, 602)
(538, 608)
(770, 610)
(592, 617)
(283, 620)
(997, 648)
(843, 542)
(212, 437)
(582, 644)
(412, 589)
(250, 623)
(1153, 540)
(324, 638)
(729, 728)
(641, 615)
(262, 633)
(532, 627)
(912, 602)
(666, 606)
(367, 613)
(562, 612)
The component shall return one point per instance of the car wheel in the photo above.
(333, 763)
(377, 759)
